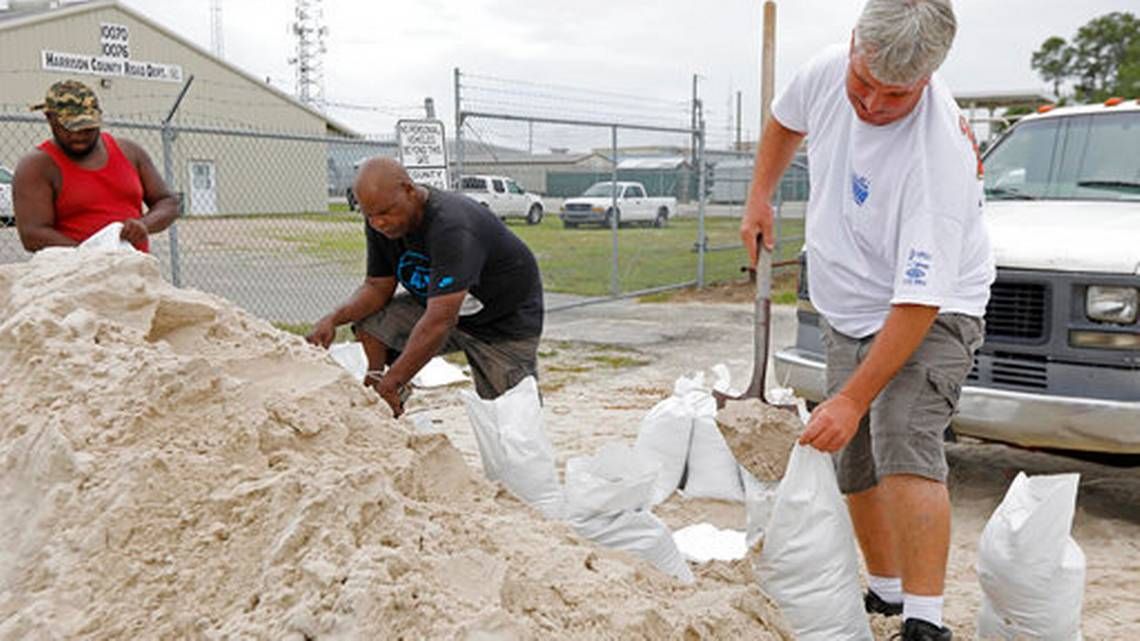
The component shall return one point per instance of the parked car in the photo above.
(595, 205)
(1060, 367)
(504, 197)
(7, 214)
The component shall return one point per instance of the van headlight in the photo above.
(1112, 304)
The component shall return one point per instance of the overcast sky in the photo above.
(387, 55)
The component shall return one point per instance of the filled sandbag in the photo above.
(1031, 570)
(608, 501)
(514, 447)
(663, 438)
(808, 563)
(712, 471)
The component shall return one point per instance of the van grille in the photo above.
(1019, 370)
(1017, 311)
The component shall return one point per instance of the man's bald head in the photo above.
(380, 174)
(389, 200)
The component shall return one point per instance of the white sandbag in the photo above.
(638, 532)
(713, 472)
(607, 501)
(615, 479)
(351, 357)
(664, 439)
(759, 500)
(514, 447)
(809, 564)
(110, 237)
(1031, 570)
(706, 542)
(438, 373)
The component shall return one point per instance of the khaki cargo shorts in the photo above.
(496, 366)
(903, 432)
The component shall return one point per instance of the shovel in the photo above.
(761, 276)
(759, 434)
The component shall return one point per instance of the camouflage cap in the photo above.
(74, 104)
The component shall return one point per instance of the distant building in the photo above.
(137, 67)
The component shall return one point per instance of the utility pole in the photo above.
(308, 27)
(429, 108)
(738, 142)
(768, 61)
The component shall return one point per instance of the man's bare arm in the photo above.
(425, 341)
(162, 204)
(33, 201)
(368, 299)
(835, 421)
(777, 147)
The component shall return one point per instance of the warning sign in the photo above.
(423, 151)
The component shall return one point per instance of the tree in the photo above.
(1053, 61)
(1103, 58)
(1100, 48)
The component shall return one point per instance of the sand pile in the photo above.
(171, 467)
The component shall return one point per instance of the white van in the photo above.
(1060, 367)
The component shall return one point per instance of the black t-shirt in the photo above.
(462, 245)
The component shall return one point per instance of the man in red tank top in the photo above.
(83, 180)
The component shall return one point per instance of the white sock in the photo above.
(888, 588)
(927, 608)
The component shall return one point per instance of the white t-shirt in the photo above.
(895, 211)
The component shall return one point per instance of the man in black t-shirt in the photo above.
(472, 286)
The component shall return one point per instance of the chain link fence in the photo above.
(265, 221)
(258, 225)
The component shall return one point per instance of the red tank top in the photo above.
(90, 199)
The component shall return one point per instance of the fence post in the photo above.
(615, 285)
(702, 240)
(168, 176)
(458, 132)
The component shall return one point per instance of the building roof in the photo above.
(523, 158)
(15, 19)
(994, 99)
(654, 162)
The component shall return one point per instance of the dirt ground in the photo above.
(604, 367)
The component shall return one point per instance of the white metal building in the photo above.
(138, 67)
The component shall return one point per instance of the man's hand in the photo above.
(389, 390)
(833, 423)
(134, 232)
(757, 220)
(323, 332)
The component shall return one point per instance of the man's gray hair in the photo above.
(903, 41)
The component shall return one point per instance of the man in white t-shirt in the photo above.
(899, 267)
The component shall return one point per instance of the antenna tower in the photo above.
(309, 30)
(217, 44)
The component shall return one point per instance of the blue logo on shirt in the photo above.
(917, 264)
(445, 281)
(414, 273)
(860, 189)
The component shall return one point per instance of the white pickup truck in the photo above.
(7, 217)
(1060, 367)
(596, 205)
(504, 197)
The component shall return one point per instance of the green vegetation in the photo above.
(578, 261)
(1102, 60)
(614, 361)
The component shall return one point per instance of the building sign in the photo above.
(423, 151)
(114, 40)
(114, 59)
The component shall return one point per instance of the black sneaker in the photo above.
(919, 630)
(874, 604)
